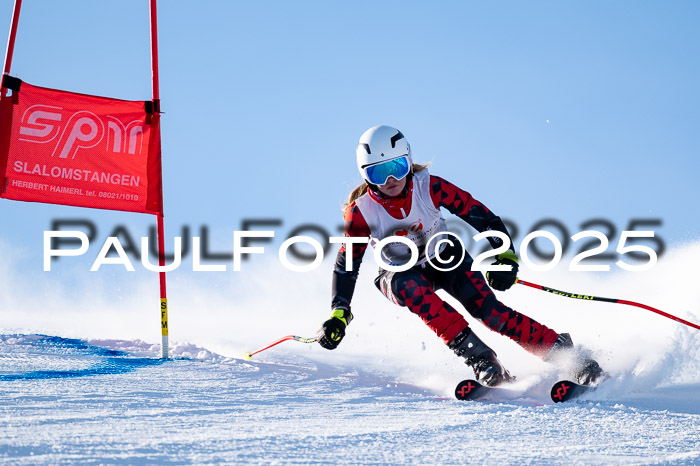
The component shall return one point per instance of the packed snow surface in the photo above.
(130, 410)
(81, 382)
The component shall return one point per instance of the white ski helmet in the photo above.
(381, 144)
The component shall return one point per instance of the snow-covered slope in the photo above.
(94, 391)
(125, 409)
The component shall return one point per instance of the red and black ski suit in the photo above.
(415, 288)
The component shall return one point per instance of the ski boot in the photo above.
(480, 358)
(585, 369)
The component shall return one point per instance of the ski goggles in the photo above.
(379, 173)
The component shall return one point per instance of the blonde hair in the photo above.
(360, 190)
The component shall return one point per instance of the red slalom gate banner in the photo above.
(80, 150)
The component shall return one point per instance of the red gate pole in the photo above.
(161, 229)
(11, 41)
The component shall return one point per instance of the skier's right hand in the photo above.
(333, 330)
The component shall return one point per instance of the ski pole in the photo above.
(248, 356)
(607, 300)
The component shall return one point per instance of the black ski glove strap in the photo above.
(333, 330)
(501, 280)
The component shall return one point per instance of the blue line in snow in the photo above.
(108, 361)
(112, 366)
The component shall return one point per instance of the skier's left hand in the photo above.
(501, 280)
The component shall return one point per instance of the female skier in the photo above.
(400, 198)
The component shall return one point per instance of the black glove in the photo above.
(501, 280)
(333, 330)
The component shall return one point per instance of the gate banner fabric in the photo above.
(60, 147)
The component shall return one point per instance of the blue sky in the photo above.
(565, 110)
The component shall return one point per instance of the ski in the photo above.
(566, 390)
(470, 389)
